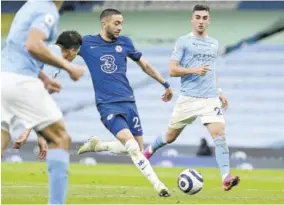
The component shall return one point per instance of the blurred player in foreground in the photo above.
(106, 57)
(67, 46)
(194, 60)
(24, 96)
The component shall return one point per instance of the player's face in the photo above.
(200, 21)
(114, 26)
(70, 54)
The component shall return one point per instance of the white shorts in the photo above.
(25, 99)
(187, 109)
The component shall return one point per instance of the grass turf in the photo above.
(124, 184)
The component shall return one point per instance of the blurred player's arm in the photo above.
(35, 45)
(52, 85)
(176, 71)
(22, 139)
(151, 71)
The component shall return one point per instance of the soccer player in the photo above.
(67, 46)
(24, 97)
(106, 57)
(193, 59)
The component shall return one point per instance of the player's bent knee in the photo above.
(218, 133)
(57, 135)
(132, 147)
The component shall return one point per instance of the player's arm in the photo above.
(52, 85)
(136, 56)
(148, 68)
(22, 139)
(40, 30)
(35, 45)
(175, 70)
(222, 97)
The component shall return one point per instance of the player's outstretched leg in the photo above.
(141, 162)
(161, 141)
(57, 161)
(94, 144)
(217, 131)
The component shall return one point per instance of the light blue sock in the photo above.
(158, 143)
(222, 155)
(57, 163)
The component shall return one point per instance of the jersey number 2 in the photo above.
(136, 122)
(218, 110)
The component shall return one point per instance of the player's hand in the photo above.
(224, 100)
(22, 139)
(53, 86)
(167, 95)
(202, 70)
(76, 72)
(42, 145)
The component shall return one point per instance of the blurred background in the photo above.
(251, 72)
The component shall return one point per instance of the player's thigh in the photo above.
(117, 125)
(212, 117)
(184, 113)
(133, 119)
(31, 103)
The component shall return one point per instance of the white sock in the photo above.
(141, 162)
(115, 147)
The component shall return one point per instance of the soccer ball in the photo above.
(190, 181)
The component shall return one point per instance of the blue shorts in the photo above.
(121, 115)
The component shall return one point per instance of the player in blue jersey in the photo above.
(24, 97)
(106, 57)
(194, 60)
(66, 46)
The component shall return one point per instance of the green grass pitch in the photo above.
(124, 184)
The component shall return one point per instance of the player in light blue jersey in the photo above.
(24, 97)
(194, 60)
(66, 46)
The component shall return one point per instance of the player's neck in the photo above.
(198, 34)
(105, 37)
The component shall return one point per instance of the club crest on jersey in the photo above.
(49, 20)
(109, 117)
(118, 48)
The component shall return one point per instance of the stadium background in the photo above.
(251, 77)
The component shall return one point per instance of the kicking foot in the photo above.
(230, 181)
(162, 190)
(148, 152)
(90, 146)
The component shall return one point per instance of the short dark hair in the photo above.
(109, 12)
(69, 40)
(201, 7)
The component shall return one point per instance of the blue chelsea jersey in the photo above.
(107, 63)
